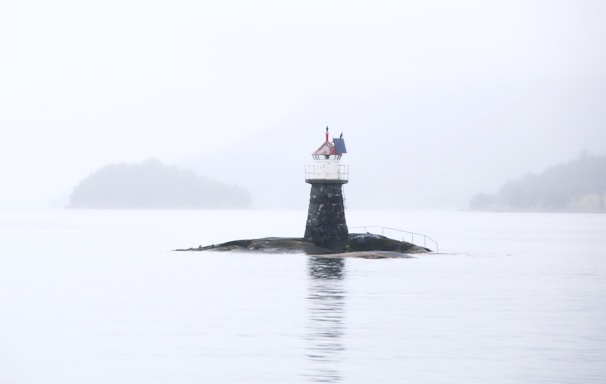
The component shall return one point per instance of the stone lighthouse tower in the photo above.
(326, 224)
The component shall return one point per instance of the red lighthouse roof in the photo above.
(327, 148)
(334, 149)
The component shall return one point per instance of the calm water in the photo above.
(98, 297)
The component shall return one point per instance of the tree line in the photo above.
(150, 185)
(579, 185)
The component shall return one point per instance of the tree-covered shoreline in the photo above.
(153, 185)
(576, 186)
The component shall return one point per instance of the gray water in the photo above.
(99, 297)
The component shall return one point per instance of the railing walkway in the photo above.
(399, 234)
(328, 171)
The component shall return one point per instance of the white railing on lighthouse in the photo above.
(327, 170)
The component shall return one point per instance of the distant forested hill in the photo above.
(152, 184)
(579, 185)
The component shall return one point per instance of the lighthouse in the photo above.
(326, 224)
(326, 231)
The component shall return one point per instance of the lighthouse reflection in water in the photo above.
(325, 327)
(85, 303)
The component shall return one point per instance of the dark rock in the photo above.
(372, 242)
(356, 245)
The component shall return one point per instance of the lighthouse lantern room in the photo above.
(327, 165)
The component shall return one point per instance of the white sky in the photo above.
(516, 85)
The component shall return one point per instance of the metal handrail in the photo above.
(403, 237)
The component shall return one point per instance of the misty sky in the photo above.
(458, 96)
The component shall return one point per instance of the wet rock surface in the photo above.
(363, 245)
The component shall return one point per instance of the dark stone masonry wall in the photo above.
(326, 224)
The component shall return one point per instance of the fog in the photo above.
(437, 100)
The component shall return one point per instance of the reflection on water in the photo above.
(325, 328)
